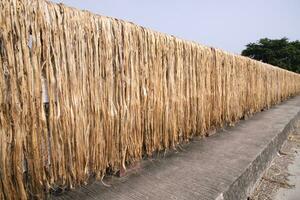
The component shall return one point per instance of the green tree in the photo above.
(280, 52)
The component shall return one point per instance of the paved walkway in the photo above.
(223, 166)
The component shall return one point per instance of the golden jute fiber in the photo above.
(116, 91)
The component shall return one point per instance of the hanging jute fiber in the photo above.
(82, 93)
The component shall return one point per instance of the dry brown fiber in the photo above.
(117, 91)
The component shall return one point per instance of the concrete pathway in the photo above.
(223, 166)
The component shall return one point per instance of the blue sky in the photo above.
(228, 25)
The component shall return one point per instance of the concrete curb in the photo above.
(244, 185)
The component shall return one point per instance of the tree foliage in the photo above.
(278, 52)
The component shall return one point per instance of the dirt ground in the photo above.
(282, 180)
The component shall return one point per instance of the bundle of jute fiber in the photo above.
(116, 92)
